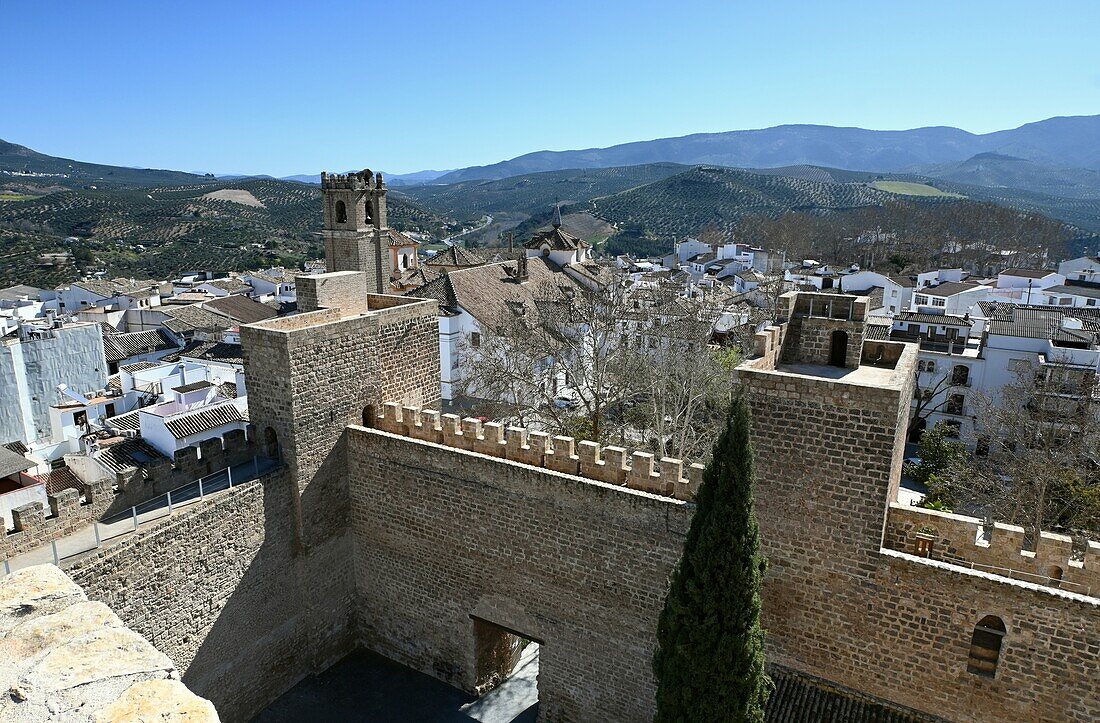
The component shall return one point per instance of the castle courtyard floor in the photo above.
(368, 687)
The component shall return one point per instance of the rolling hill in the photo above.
(995, 170)
(711, 196)
(159, 232)
(533, 193)
(1064, 141)
(20, 165)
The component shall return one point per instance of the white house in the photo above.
(274, 283)
(950, 297)
(194, 412)
(1077, 294)
(897, 291)
(108, 295)
(32, 365)
(1085, 268)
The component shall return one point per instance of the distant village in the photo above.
(103, 376)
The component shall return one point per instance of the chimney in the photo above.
(511, 242)
(521, 269)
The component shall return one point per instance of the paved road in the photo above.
(450, 240)
(85, 538)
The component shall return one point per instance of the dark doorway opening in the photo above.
(838, 349)
(506, 674)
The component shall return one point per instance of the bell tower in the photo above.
(355, 231)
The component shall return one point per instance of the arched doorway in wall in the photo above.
(368, 416)
(838, 348)
(271, 444)
(985, 646)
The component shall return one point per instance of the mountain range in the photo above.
(1061, 141)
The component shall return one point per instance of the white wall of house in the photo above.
(17, 498)
(1007, 280)
(1084, 268)
(454, 332)
(31, 370)
(961, 303)
(1064, 296)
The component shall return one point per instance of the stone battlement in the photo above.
(669, 477)
(109, 491)
(362, 181)
(1056, 560)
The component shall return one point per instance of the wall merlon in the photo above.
(580, 458)
(1057, 560)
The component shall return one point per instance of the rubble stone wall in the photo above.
(220, 588)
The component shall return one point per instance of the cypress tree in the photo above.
(709, 661)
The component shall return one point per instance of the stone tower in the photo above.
(355, 230)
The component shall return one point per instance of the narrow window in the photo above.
(341, 212)
(960, 375)
(985, 646)
(475, 339)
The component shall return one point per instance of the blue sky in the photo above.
(286, 87)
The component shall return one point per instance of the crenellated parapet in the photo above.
(1071, 563)
(362, 181)
(634, 470)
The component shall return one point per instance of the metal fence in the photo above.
(94, 535)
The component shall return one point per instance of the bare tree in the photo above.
(930, 395)
(597, 364)
(1037, 462)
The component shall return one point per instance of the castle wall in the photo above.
(219, 588)
(999, 548)
(444, 535)
(891, 625)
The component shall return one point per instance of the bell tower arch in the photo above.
(355, 231)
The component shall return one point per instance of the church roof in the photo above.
(557, 238)
(457, 256)
(396, 238)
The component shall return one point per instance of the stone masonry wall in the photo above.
(613, 465)
(219, 588)
(1057, 560)
(444, 535)
(888, 624)
(344, 290)
(814, 318)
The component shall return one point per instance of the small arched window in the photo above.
(341, 212)
(368, 416)
(985, 646)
